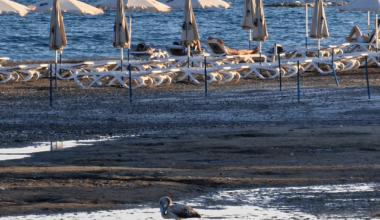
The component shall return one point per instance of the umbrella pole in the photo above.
(121, 59)
(188, 60)
(333, 68)
(56, 77)
(205, 77)
(188, 56)
(298, 81)
(279, 66)
(366, 73)
(51, 86)
(130, 32)
(377, 31)
(249, 39)
(60, 63)
(260, 56)
(130, 83)
(368, 21)
(319, 45)
(306, 20)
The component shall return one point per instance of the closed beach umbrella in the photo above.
(121, 37)
(57, 37)
(9, 7)
(318, 27)
(260, 32)
(190, 34)
(67, 6)
(369, 5)
(247, 23)
(199, 3)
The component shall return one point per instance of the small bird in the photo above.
(178, 212)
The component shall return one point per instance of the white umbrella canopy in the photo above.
(10, 7)
(67, 6)
(140, 5)
(199, 3)
(318, 27)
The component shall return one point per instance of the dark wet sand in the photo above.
(243, 135)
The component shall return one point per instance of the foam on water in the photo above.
(26, 38)
(343, 201)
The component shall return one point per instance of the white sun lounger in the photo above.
(145, 55)
(67, 71)
(325, 51)
(373, 57)
(148, 78)
(21, 73)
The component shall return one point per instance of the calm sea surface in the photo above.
(26, 38)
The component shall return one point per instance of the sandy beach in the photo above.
(173, 141)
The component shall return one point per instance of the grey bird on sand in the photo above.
(178, 212)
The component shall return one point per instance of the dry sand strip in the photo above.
(243, 135)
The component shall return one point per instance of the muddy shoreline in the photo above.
(243, 135)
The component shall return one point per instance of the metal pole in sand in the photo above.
(260, 57)
(60, 63)
(298, 81)
(368, 21)
(333, 68)
(279, 66)
(56, 74)
(130, 83)
(366, 73)
(377, 32)
(205, 77)
(188, 60)
(121, 59)
(51, 86)
(250, 39)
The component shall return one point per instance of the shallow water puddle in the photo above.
(347, 201)
(28, 150)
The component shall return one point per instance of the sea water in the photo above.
(27, 38)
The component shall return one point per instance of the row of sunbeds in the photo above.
(163, 67)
